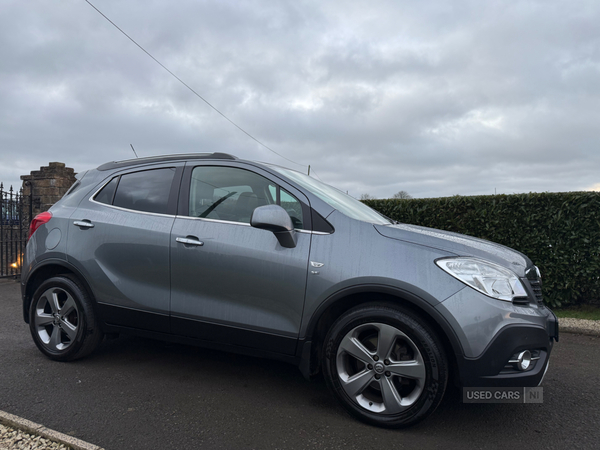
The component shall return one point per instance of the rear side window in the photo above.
(107, 193)
(146, 191)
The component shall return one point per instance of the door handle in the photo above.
(84, 223)
(188, 241)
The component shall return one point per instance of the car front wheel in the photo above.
(385, 365)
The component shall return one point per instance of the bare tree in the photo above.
(402, 194)
(366, 197)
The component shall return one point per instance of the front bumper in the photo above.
(492, 367)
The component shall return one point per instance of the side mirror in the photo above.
(275, 219)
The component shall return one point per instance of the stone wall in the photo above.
(49, 184)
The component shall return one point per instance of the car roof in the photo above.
(164, 158)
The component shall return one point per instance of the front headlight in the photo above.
(488, 278)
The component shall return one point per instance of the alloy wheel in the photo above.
(56, 319)
(380, 368)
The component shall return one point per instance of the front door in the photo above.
(232, 283)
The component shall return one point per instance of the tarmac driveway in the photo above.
(142, 394)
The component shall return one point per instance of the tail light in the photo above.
(38, 221)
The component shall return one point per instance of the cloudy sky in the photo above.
(436, 97)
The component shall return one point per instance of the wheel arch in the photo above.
(47, 270)
(346, 299)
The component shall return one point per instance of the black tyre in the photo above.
(62, 320)
(385, 365)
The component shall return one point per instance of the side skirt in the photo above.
(202, 343)
(198, 333)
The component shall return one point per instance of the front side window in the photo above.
(232, 194)
(292, 206)
(146, 191)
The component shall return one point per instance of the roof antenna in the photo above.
(309, 170)
(134, 151)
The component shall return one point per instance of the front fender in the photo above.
(402, 293)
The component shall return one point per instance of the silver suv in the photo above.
(247, 257)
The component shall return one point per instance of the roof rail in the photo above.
(164, 158)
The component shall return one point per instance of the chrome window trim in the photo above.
(317, 233)
(133, 210)
(91, 199)
(212, 220)
(244, 224)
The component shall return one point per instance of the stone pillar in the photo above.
(48, 184)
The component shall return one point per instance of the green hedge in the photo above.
(560, 232)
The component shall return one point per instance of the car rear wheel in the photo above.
(385, 365)
(62, 320)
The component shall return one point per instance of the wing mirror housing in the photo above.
(275, 219)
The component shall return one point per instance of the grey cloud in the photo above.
(435, 98)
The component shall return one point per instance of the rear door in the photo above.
(232, 283)
(119, 240)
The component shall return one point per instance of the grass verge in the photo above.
(590, 312)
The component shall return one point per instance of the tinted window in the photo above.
(108, 192)
(228, 193)
(145, 191)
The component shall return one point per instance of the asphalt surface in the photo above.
(142, 394)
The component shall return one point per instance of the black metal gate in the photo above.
(15, 214)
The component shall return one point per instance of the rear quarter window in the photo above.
(107, 193)
(146, 191)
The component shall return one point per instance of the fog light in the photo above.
(524, 360)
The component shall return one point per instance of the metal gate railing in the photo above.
(15, 215)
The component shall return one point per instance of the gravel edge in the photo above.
(35, 429)
(15, 439)
(579, 326)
